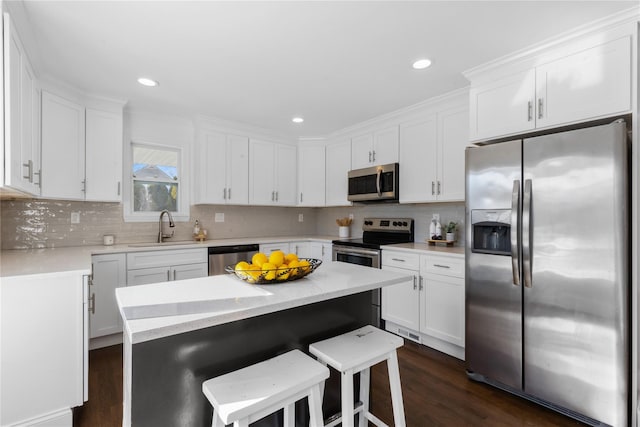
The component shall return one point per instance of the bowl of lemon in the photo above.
(277, 267)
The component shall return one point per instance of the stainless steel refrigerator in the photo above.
(547, 272)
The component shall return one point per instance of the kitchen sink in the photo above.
(155, 244)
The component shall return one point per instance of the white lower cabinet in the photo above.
(108, 273)
(267, 248)
(302, 249)
(165, 266)
(321, 251)
(429, 308)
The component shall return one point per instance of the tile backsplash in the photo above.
(36, 223)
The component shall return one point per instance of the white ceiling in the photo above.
(334, 63)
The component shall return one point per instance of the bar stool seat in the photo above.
(357, 351)
(248, 394)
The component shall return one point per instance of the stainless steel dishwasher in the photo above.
(222, 256)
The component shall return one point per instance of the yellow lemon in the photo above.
(254, 272)
(241, 268)
(283, 273)
(276, 258)
(259, 259)
(304, 265)
(269, 271)
(293, 268)
(290, 257)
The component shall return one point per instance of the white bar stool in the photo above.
(357, 351)
(248, 394)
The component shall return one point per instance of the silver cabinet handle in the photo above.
(433, 188)
(273, 196)
(300, 197)
(118, 188)
(29, 166)
(229, 193)
(224, 194)
(369, 156)
(540, 106)
(529, 111)
(276, 196)
(323, 251)
(168, 275)
(526, 236)
(174, 274)
(415, 285)
(374, 155)
(398, 259)
(515, 206)
(421, 286)
(439, 188)
(39, 173)
(441, 266)
(92, 303)
(84, 186)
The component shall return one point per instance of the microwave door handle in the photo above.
(378, 183)
(515, 204)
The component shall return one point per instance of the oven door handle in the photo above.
(351, 250)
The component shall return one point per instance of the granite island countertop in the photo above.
(163, 309)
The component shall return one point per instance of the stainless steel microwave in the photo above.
(374, 184)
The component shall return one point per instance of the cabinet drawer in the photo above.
(401, 260)
(137, 260)
(443, 265)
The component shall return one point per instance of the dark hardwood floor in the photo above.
(436, 392)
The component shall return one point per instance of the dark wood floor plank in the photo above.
(436, 392)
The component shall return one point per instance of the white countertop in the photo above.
(193, 304)
(51, 260)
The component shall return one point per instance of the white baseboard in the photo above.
(105, 341)
(61, 418)
(426, 340)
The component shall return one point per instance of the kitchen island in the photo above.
(178, 334)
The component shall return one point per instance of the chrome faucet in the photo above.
(161, 235)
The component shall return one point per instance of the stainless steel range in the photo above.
(366, 251)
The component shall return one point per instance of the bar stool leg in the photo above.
(364, 396)
(315, 407)
(396, 390)
(290, 415)
(216, 422)
(347, 398)
(241, 423)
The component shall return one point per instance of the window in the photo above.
(155, 179)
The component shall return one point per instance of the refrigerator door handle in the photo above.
(526, 234)
(515, 205)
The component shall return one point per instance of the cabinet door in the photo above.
(503, 107)
(261, 173)
(401, 303)
(311, 176)
(338, 164)
(588, 84)
(443, 314)
(62, 148)
(385, 146)
(145, 276)
(212, 168)
(453, 137)
(109, 273)
(189, 271)
(267, 248)
(237, 170)
(103, 146)
(302, 249)
(321, 251)
(418, 162)
(362, 151)
(285, 175)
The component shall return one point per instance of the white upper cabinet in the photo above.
(103, 166)
(272, 173)
(377, 148)
(432, 156)
(338, 164)
(311, 175)
(580, 83)
(63, 129)
(223, 172)
(81, 151)
(21, 111)
(591, 83)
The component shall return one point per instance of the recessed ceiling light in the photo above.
(421, 64)
(297, 120)
(147, 82)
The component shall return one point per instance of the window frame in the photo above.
(182, 213)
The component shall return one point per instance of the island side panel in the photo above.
(167, 373)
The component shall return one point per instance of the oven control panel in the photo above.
(388, 224)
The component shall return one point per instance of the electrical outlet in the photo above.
(436, 217)
(300, 217)
(75, 217)
(219, 217)
(351, 216)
